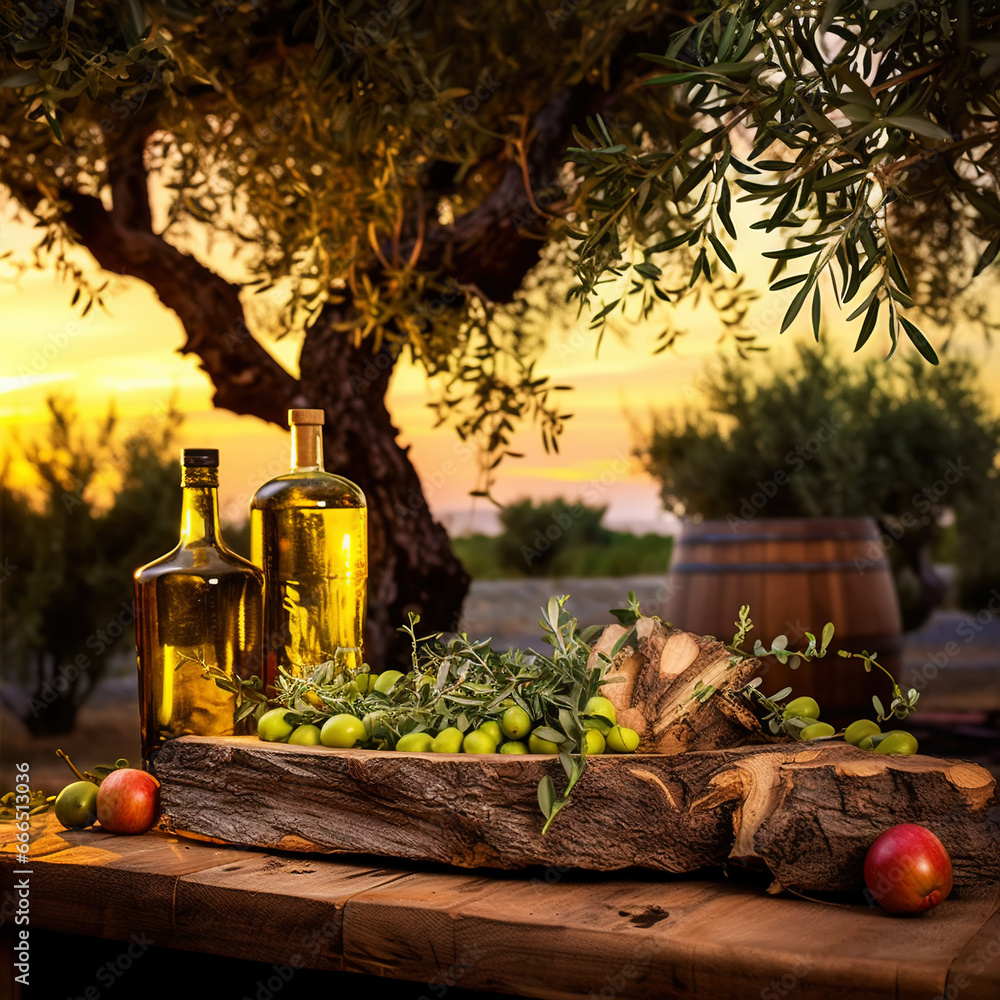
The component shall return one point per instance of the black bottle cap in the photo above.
(202, 458)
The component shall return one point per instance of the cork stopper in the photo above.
(307, 438)
(199, 467)
(306, 417)
(206, 458)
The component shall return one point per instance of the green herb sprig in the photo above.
(901, 706)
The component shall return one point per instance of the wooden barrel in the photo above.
(796, 574)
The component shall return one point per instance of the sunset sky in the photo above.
(130, 357)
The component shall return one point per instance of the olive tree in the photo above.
(377, 177)
(104, 504)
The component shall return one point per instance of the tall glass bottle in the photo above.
(309, 533)
(198, 619)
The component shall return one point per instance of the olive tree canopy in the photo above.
(433, 177)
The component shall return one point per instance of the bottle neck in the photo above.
(307, 447)
(200, 507)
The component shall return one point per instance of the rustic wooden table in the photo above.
(541, 933)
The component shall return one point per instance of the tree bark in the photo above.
(410, 563)
(808, 813)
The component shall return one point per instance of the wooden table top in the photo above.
(541, 933)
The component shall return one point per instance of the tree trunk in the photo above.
(411, 566)
(410, 563)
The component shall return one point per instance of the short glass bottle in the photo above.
(309, 533)
(198, 621)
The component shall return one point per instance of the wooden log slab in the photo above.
(807, 812)
(811, 812)
(465, 810)
(654, 687)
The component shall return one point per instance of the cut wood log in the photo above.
(679, 691)
(461, 809)
(808, 812)
(811, 812)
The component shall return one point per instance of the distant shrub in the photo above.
(559, 538)
(535, 535)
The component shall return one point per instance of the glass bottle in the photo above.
(309, 533)
(198, 619)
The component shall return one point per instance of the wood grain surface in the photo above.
(540, 933)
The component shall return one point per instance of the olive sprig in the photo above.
(791, 724)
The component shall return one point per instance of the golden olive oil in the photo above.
(198, 619)
(308, 533)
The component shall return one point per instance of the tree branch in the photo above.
(246, 377)
(491, 245)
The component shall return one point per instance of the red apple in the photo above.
(907, 869)
(128, 801)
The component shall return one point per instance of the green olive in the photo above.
(816, 730)
(515, 722)
(804, 707)
(538, 744)
(387, 680)
(415, 743)
(513, 746)
(479, 741)
(898, 742)
(343, 731)
(622, 739)
(447, 741)
(594, 741)
(272, 726)
(305, 736)
(857, 731)
(76, 805)
(604, 707)
(493, 728)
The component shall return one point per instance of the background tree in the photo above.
(394, 177)
(909, 446)
(104, 507)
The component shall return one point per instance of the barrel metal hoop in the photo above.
(828, 536)
(838, 566)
